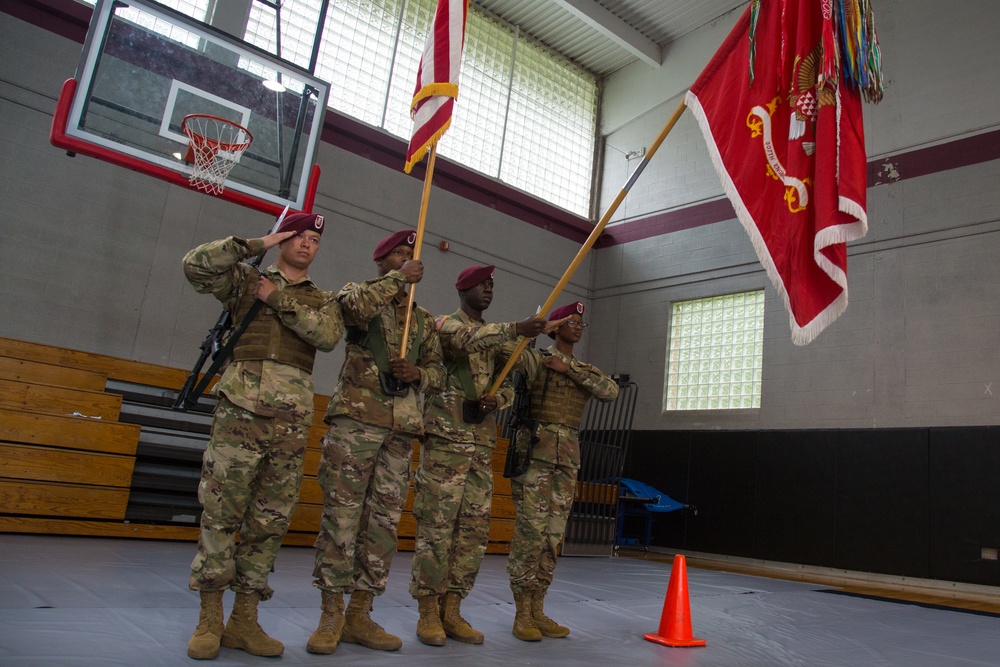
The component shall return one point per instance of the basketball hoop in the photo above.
(216, 145)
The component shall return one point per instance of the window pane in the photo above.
(196, 9)
(715, 353)
(356, 56)
(477, 129)
(549, 149)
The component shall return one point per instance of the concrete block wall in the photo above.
(90, 253)
(917, 344)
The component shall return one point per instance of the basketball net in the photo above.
(215, 146)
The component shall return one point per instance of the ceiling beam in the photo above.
(614, 28)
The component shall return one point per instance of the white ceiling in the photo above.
(603, 36)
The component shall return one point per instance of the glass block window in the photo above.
(549, 148)
(715, 353)
(298, 29)
(524, 116)
(196, 9)
(356, 56)
(477, 128)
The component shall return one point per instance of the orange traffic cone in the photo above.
(675, 622)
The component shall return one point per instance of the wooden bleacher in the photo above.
(89, 446)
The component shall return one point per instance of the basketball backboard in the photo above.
(145, 67)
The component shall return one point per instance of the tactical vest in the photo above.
(556, 399)
(266, 337)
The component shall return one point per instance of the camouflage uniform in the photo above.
(454, 483)
(365, 467)
(543, 496)
(252, 467)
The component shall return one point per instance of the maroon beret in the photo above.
(301, 222)
(385, 246)
(472, 276)
(575, 308)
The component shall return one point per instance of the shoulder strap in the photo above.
(373, 340)
(460, 368)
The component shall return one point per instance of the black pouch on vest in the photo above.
(471, 413)
(392, 386)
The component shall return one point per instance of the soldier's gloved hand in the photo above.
(555, 363)
(264, 289)
(488, 403)
(405, 370)
(530, 327)
(413, 269)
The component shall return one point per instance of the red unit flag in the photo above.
(437, 79)
(785, 132)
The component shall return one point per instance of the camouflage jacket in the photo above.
(481, 344)
(266, 388)
(557, 443)
(358, 394)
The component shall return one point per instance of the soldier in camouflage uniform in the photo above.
(374, 416)
(252, 467)
(560, 385)
(454, 483)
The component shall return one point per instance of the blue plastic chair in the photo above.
(631, 493)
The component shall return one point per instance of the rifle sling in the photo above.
(460, 368)
(375, 342)
(226, 350)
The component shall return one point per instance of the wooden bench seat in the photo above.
(32, 428)
(23, 370)
(30, 397)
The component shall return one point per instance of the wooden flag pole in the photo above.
(589, 243)
(417, 244)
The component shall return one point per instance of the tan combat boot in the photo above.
(524, 629)
(359, 627)
(545, 625)
(243, 632)
(454, 625)
(331, 624)
(429, 630)
(204, 643)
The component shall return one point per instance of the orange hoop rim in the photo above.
(198, 137)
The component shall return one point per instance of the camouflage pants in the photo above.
(250, 478)
(364, 473)
(452, 496)
(543, 497)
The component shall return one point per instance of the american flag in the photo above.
(437, 79)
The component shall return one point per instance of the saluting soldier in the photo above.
(454, 483)
(374, 416)
(560, 385)
(252, 467)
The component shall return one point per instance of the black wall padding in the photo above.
(964, 504)
(920, 502)
(796, 497)
(722, 485)
(882, 500)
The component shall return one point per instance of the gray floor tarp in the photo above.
(86, 601)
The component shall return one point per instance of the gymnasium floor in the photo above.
(67, 601)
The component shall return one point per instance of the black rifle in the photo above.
(218, 344)
(517, 462)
